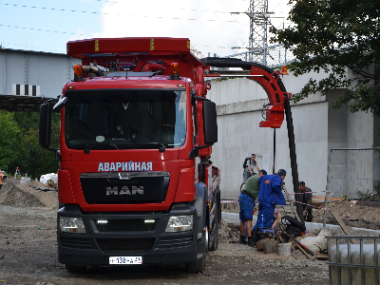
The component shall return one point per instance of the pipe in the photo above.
(234, 62)
(150, 66)
(293, 157)
(274, 150)
(92, 69)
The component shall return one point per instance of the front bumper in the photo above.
(154, 245)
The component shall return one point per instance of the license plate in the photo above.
(125, 260)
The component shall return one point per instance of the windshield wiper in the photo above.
(114, 145)
(161, 146)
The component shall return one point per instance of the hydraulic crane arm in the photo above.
(268, 79)
(271, 82)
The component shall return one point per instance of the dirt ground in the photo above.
(28, 253)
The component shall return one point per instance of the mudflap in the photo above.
(202, 244)
(215, 220)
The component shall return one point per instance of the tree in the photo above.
(11, 148)
(19, 144)
(37, 161)
(337, 37)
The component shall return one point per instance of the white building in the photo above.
(27, 78)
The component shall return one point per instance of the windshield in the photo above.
(122, 119)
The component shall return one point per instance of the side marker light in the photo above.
(284, 70)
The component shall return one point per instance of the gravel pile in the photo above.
(11, 195)
(23, 196)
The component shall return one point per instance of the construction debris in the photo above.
(344, 227)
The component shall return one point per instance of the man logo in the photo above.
(125, 190)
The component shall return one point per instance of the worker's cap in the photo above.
(263, 172)
(281, 172)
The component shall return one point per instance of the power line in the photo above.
(79, 34)
(166, 7)
(112, 1)
(120, 14)
(44, 30)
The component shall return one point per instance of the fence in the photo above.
(353, 263)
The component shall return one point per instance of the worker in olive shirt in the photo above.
(247, 203)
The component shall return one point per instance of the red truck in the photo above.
(136, 184)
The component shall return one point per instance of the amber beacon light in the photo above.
(78, 72)
(284, 70)
(175, 71)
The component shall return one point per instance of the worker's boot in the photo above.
(251, 242)
(242, 240)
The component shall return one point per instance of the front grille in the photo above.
(174, 242)
(125, 188)
(137, 225)
(80, 243)
(125, 245)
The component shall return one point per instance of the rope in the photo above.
(303, 193)
(319, 208)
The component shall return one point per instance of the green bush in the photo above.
(19, 144)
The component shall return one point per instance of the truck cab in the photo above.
(136, 183)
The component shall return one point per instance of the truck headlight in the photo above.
(179, 224)
(71, 225)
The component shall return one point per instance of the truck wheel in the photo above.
(198, 266)
(207, 240)
(215, 242)
(75, 268)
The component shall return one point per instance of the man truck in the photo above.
(136, 183)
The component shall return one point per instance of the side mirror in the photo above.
(210, 126)
(45, 126)
(61, 102)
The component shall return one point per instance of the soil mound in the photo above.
(24, 195)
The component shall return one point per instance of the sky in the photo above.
(42, 25)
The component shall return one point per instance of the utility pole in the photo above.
(258, 33)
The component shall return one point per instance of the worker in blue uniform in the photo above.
(270, 195)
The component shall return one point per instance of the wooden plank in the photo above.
(344, 227)
(302, 250)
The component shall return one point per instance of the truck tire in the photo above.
(207, 232)
(207, 240)
(198, 266)
(215, 243)
(75, 268)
